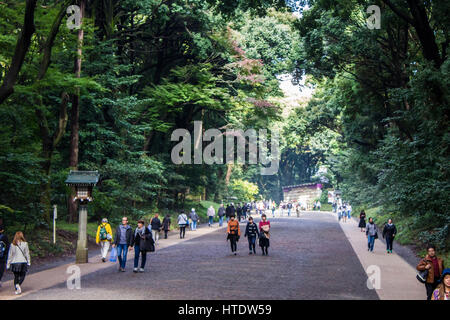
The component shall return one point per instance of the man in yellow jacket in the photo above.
(104, 237)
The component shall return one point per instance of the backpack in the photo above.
(2, 249)
(103, 233)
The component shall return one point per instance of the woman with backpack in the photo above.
(166, 225)
(183, 222)
(264, 235)
(19, 260)
(104, 237)
(142, 242)
(233, 233)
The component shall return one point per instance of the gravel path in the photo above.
(309, 258)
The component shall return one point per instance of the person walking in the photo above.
(319, 205)
(221, 214)
(435, 267)
(156, 226)
(289, 207)
(166, 225)
(362, 220)
(123, 241)
(251, 232)
(211, 213)
(233, 233)
(344, 213)
(183, 222)
(194, 218)
(273, 209)
(349, 211)
(142, 242)
(372, 234)
(4, 248)
(264, 235)
(239, 211)
(104, 237)
(233, 210)
(18, 260)
(244, 210)
(389, 232)
(228, 212)
(442, 291)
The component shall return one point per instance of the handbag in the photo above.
(422, 276)
(376, 235)
(113, 255)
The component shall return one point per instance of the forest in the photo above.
(107, 96)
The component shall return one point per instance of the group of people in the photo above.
(14, 256)
(343, 209)
(371, 230)
(252, 232)
(142, 239)
(437, 279)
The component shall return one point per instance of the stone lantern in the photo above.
(83, 181)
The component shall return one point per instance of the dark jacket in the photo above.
(156, 224)
(228, 211)
(166, 223)
(239, 211)
(251, 230)
(4, 238)
(389, 231)
(221, 212)
(144, 242)
(129, 236)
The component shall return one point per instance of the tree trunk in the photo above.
(75, 115)
(22, 46)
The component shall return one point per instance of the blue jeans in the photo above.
(194, 225)
(211, 220)
(389, 243)
(349, 216)
(137, 251)
(289, 212)
(251, 243)
(273, 212)
(220, 221)
(122, 250)
(370, 242)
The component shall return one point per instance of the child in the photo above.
(234, 232)
(251, 231)
(264, 228)
(166, 225)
